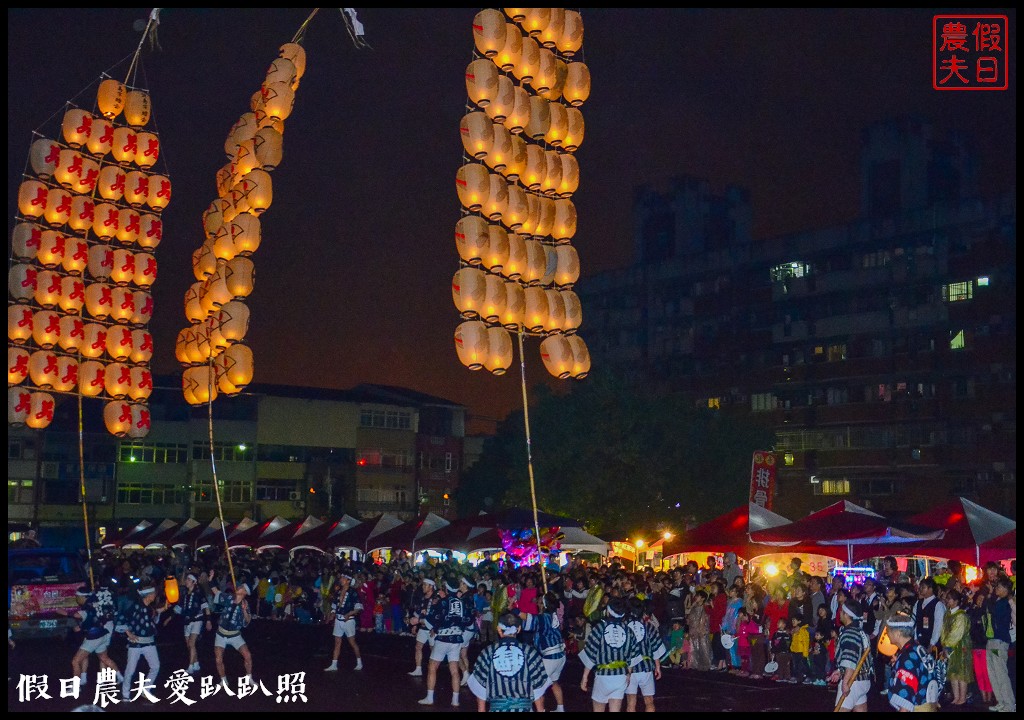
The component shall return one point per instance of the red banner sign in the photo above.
(34, 601)
(762, 479)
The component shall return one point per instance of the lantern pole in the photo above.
(213, 472)
(81, 490)
(529, 463)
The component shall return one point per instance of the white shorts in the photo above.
(96, 645)
(193, 628)
(446, 651)
(608, 687)
(642, 682)
(554, 667)
(422, 636)
(345, 628)
(858, 694)
(235, 641)
(467, 637)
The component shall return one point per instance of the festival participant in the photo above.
(195, 612)
(652, 650)
(612, 651)
(344, 609)
(509, 675)
(853, 676)
(96, 625)
(469, 632)
(913, 686)
(547, 638)
(422, 607)
(956, 642)
(447, 622)
(140, 623)
(978, 614)
(928, 614)
(1000, 617)
(234, 617)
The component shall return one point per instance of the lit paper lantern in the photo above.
(552, 174)
(151, 230)
(570, 175)
(25, 240)
(564, 226)
(213, 216)
(554, 93)
(129, 226)
(544, 78)
(111, 183)
(556, 312)
(171, 590)
(143, 308)
(239, 279)
(58, 206)
(517, 161)
(573, 311)
(193, 301)
(106, 220)
(516, 262)
(159, 192)
(540, 119)
(21, 282)
(499, 351)
(204, 262)
(119, 343)
(45, 328)
(181, 342)
(536, 166)
(574, 130)
(545, 217)
(516, 14)
(42, 369)
(236, 364)
(47, 288)
(497, 248)
(125, 145)
(32, 198)
(40, 411)
(571, 39)
(94, 340)
(140, 421)
(123, 307)
(83, 211)
(469, 291)
(567, 271)
(497, 197)
(556, 353)
(558, 126)
(472, 181)
(226, 178)
(19, 323)
(472, 238)
(43, 155)
(18, 404)
(528, 61)
(17, 365)
(508, 56)
(268, 144)
(231, 323)
(137, 108)
(245, 128)
(477, 132)
(140, 386)
(91, 374)
(99, 300)
(481, 82)
(142, 346)
(72, 333)
(76, 127)
(123, 271)
(51, 248)
(101, 137)
(67, 374)
(503, 102)
(536, 309)
(281, 70)
(494, 298)
(117, 379)
(553, 28)
(489, 32)
(110, 98)
(580, 357)
(515, 306)
(536, 262)
(117, 416)
(550, 266)
(577, 84)
(148, 150)
(297, 55)
(517, 209)
(72, 294)
(100, 261)
(259, 189)
(535, 20)
(199, 385)
(244, 160)
(471, 344)
(278, 100)
(145, 270)
(500, 153)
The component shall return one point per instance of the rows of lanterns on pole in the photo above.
(522, 127)
(212, 347)
(83, 262)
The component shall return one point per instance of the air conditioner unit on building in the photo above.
(294, 495)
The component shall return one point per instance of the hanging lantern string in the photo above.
(213, 471)
(149, 32)
(529, 463)
(355, 28)
(301, 32)
(81, 489)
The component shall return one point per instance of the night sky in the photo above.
(353, 275)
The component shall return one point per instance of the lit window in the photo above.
(832, 487)
(788, 458)
(955, 292)
(714, 402)
(957, 343)
(983, 282)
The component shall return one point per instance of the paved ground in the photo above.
(383, 686)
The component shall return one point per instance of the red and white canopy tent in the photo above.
(406, 535)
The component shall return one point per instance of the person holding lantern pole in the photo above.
(195, 612)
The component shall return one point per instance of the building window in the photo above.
(837, 352)
(983, 282)
(388, 419)
(955, 292)
(957, 341)
(152, 452)
(19, 491)
(222, 452)
(715, 403)
(832, 487)
(790, 270)
(760, 402)
(877, 487)
(381, 458)
(13, 449)
(151, 494)
(275, 489)
(231, 491)
(448, 462)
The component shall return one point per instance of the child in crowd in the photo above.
(781, 654)
(746, 627)
(800, 646)
(676, 643)
(378, 614)
(819, 658)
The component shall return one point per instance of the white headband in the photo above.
(430, 582)
(508, 629)
(900, 624)
(614, 614)
(190, 576)
(147, 591)
(849, 611)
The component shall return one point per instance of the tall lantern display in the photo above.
(212, 348)
(85, 235)
(515, 186)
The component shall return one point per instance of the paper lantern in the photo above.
(106, 220)
(536, 309)
(100, 261)
(536, 166)
(143, 308)
(117, 417)
(544, 78)
(237, 365)
(520, 114)
(497, 197)
(517, 14)
(246, 234)
(244, 160)
(536, 262)
(469, 291)
(19, 323)
(545, 217)
(574, 130)
(99, 300)
(552, 174)
(58, 206)
(515, 306)
(504, 100)
(517, 161)
(117, 379)
(281, 70)
(193, 300)
(151, 230)
(123, 271)
(129, 226)
(472, 238)
(213, 216)
(268, 144)
(222, 245)
(499, 350)
(508, 56)
(140, 384)
(25, 240)
(239, 279)
(554, 93)
(148, 150)
(76, 126)
(570, 175)
(91, 374)
(72, 333)
(94, 340)
(500, 153)
(556, 353)
(559, 124)
(140, 421)
(564, 226)
(42, 156)
(21, 282)
(226, 178)
(110, 98)
(17, 365)
(83, 211)
(494, 298)
(259, 191)
(535, 20)
(145, 270)
(528, 60)
(111, 183)
(571, 39)
(567, 271)
(40, 411)
(171, 590)
(477, 133)
(540, 118)
(125, 145)
(47, 288)
(137, 108)
(181, 343)
(471, 344)
(101, 137)
(119, 343)
(67, 374)
(199, 385)
(32, 198)
(580, 357)
(489, 32)
(72, 294)
(516, 263)
(497, 248)
(297, 55)
(123, 306)
(245, 128)
(42, 368)
(556, 312)
(577, 84)
(159, 192)
(18, 404)
(50, 248)
(517, 208)
(204, 262)
(45, 328)
(472, 182)
(231, 323)
(142, 346)
(481, 82)
(553, 28)
(278, 100)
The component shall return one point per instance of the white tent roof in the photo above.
(579, 540)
